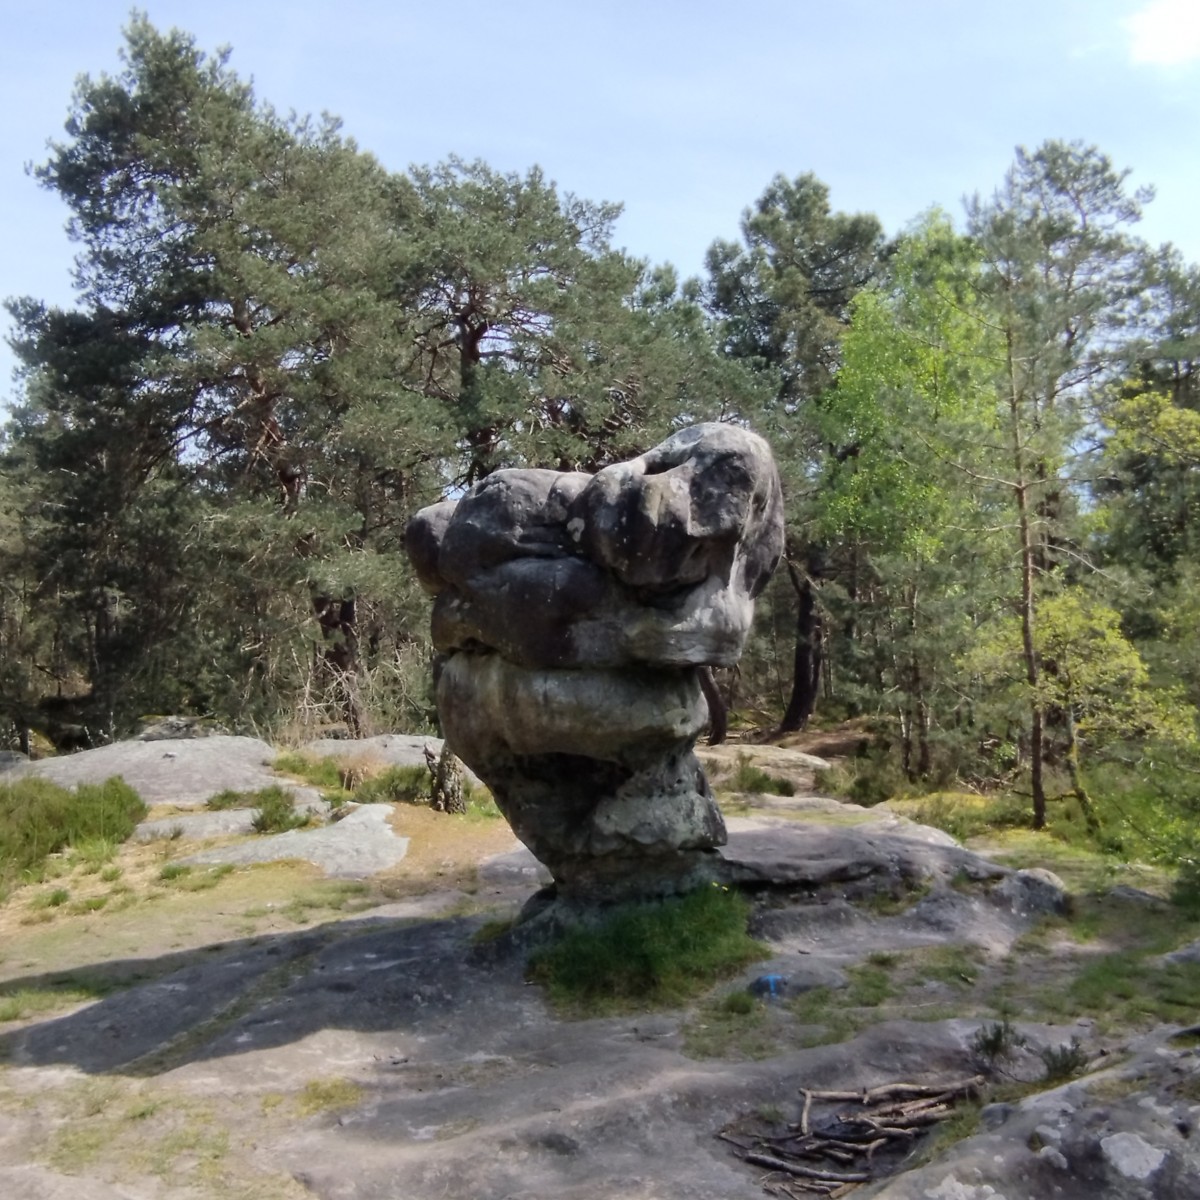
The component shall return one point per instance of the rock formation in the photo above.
(574, 615)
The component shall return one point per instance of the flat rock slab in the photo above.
(773, 759)
(197, 826)
(517, 866)
(783, 853)
(391, 749)
(885, 852)
(40, 1183)
(470, 1088)
(181, 772)
(356, 847)
(394, 749)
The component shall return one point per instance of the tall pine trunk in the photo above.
(806, 670)
(1037, 712)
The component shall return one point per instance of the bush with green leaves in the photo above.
(38, 818)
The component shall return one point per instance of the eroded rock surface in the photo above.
(576, 614)
(1127, 1133)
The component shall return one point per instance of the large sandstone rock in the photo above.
(181, 772)
(575, 614)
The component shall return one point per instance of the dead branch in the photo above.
(839, 1151)
(778, 1164)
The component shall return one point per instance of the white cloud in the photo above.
(1164, 33)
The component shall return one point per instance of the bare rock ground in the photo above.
(387, 1055)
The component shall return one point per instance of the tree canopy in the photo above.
(989, 432)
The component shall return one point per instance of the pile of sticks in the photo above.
(833, 1155)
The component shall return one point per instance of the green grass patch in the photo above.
(55, 898)
(754, 780)
(328, 1095)
(480, 805)
(92, 855)
(957, 966)
(826, 1013)
(493, 929)
(39, 818)
(395, 785)
(965, 815)
(1123, 990)
(869, 985)
(320, 772)
(228, 798)
(201, 881)
(20, 1003)
(335, 895)
(648, 955)
(736, 1027)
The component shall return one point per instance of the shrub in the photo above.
(276, 811)
(393, 785)
(995, 1044)
(228, 799)
(1065, 1061)
(39, 818)
(749, 778)
(649, 955)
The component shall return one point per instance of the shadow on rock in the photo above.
(363, 975)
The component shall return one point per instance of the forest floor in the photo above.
(267, 1032)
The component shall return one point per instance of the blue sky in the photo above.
(683, 111)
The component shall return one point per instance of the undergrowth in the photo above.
(38, 818)
(275, 808)
(754, 780)
(648, 955)
(275, 811)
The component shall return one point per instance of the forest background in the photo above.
(988, 435)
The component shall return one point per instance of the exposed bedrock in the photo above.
(575, 614)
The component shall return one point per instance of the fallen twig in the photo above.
(778, 1164)
(839, 1150)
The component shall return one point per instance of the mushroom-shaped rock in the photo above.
(574, 615)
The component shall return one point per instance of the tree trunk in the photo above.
(446, 781)
(1037, 714)
(339, 656)
(718, 715)
(806, 676)
(1077, 785)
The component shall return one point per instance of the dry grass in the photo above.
(444, 850)
(119, 1130)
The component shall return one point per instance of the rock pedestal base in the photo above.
(594, 770)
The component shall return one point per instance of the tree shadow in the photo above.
(365, 975)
